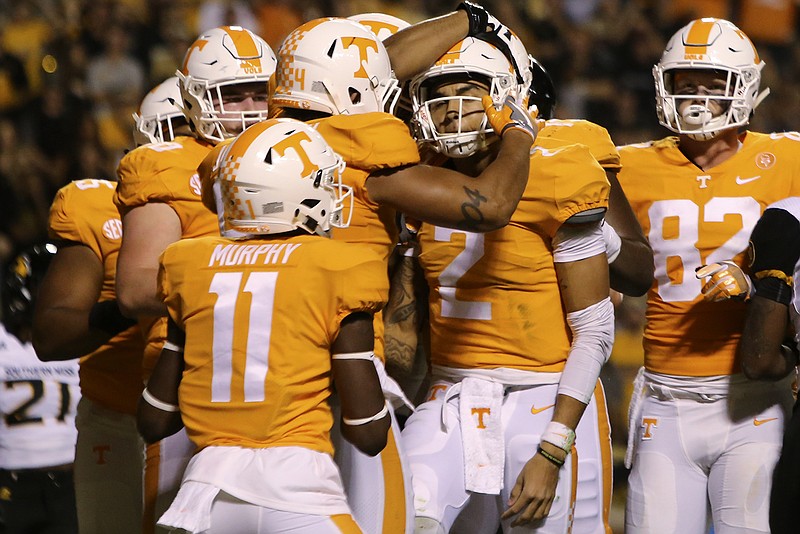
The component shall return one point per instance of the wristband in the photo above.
(368, 355)
(169, 345)
(364, 420)
(155, 403)
(105, 316)
(559, 435)
(550, 458)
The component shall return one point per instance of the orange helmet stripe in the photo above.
(245, 45)
(698, 36)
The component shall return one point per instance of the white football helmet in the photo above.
(159, 108)
(219, 59)
(470, 59)
(381, 24)
(278, 176)
(335, 66)
(712, 45)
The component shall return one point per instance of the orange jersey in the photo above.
(369, 142)
(165, 172)
(494, 297)
(260, 316)
(575, 131)
(694, 217)
(83, 212)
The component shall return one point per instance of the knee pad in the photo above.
(427, 525)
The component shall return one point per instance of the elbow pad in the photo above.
(592, 340)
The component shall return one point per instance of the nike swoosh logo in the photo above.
(535, 410)
(742, 181)
(759, 422)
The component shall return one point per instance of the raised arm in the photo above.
(449, 198)
(632, 269)
(68, 298)
(365, 413)
(146, 232)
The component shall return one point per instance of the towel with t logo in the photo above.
(480, 405)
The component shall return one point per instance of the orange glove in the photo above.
(726, 280)
(510, 116)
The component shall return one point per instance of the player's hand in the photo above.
(510, 116)
(726, 280)
(533, 494)
(480, 20)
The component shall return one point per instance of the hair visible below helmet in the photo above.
(469, 60)
(542, 92)
(21, 281)
(335, 66)
(381, 24)
(222, 58)
(279, 176)
(712, 45)
(159, 114)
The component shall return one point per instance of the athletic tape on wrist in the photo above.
(559, 435)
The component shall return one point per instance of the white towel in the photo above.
(191, 509)
(480, 406)
(634, 413)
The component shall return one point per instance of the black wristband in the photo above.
(105, 316)
(550, 458)
(478, 17)
(773, 288)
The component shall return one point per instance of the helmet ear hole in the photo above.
(355, 95)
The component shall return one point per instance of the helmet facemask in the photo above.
(223, 68)
(475, 62)
(464, 141)
(699, 120)
(214, 122)
(159, 114)
(724, 58)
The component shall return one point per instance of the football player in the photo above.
(516, 342)
(224, 86)
(703, 437)
(259, 328)
(78, 295)
(336, 73)
(765, 349)
(37, 411)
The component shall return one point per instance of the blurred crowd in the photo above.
(73, 71)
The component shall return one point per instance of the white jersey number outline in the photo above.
(448, 279)
(682, 285)
(226, 286)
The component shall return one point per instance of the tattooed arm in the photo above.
(403, 314)
(404, 317)
(449, 198)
